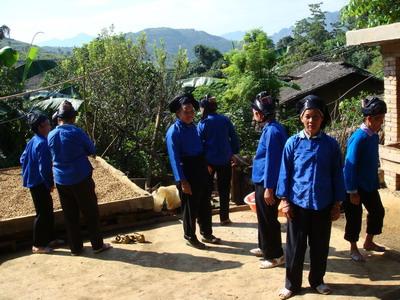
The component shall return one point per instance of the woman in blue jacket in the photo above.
(70, 147)
(38, 177)
(311, 188)
(220, 144)
(186, 155)
(361, 179)
(265, 173)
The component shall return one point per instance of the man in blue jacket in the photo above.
(220, 144)
(70, 147)
(266, 165)
(361, 179)
(38, 177)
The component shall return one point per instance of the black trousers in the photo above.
(269, 228)
(312, 226)
(196, 206)
(76, 198)
(224, 176)
(373, 204)
(43, 225)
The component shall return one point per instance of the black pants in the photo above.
(196, 206)
(80, 197)
(224, 176)
(269, 228)
(43, 225)
(373, 204)
(312, 226)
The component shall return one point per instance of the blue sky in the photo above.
(65, 19)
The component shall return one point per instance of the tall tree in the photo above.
(370, 13)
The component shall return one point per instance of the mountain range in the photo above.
(173, 39)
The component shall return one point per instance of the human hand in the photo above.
(186, 188)
(210, 169)
(269, 196)
(355, 198)
(335, 211)
(286, 208)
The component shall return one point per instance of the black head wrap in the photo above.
(264, 103)
(66, 111)
(314, 102)
(180, 100)
(35, 119)
(372, 106)
(209, 104)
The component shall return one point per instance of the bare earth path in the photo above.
(166, 268)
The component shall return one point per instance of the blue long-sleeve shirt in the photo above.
(182, 141)
(311, 172)
(362, 161)
(36, 163)
(219, 139)
(267, 160)
(70, 147)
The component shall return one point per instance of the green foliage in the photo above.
(371, 13)
(121, 102)
(347, 120)
(8, 56)
(31, 56)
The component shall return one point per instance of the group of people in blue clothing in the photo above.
(59, 157)
(302, 175)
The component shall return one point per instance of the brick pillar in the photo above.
(392, 119)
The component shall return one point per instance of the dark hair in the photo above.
(66, 111)
(209, 104)
(35, 119)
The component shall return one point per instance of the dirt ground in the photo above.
(16, 200)
(165, 268)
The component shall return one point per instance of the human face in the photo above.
(312, 120)
(186, 113)
(375, 122)
(44, 128)
(257, 116)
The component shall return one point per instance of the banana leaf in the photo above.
(54, 103)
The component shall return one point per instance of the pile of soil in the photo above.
(16, 201)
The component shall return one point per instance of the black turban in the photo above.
(264, 103)
(180, 100)
(373, 106)
(314, 102)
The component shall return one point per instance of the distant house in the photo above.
(330, 81)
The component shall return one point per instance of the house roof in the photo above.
(315, 74)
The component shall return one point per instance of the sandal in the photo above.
(285, 294)
(211, 239)
(257, 252)
(375, 247)
(56, 243)
(272, 263)
(41, 250)
(323, 289)
(105, 247)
